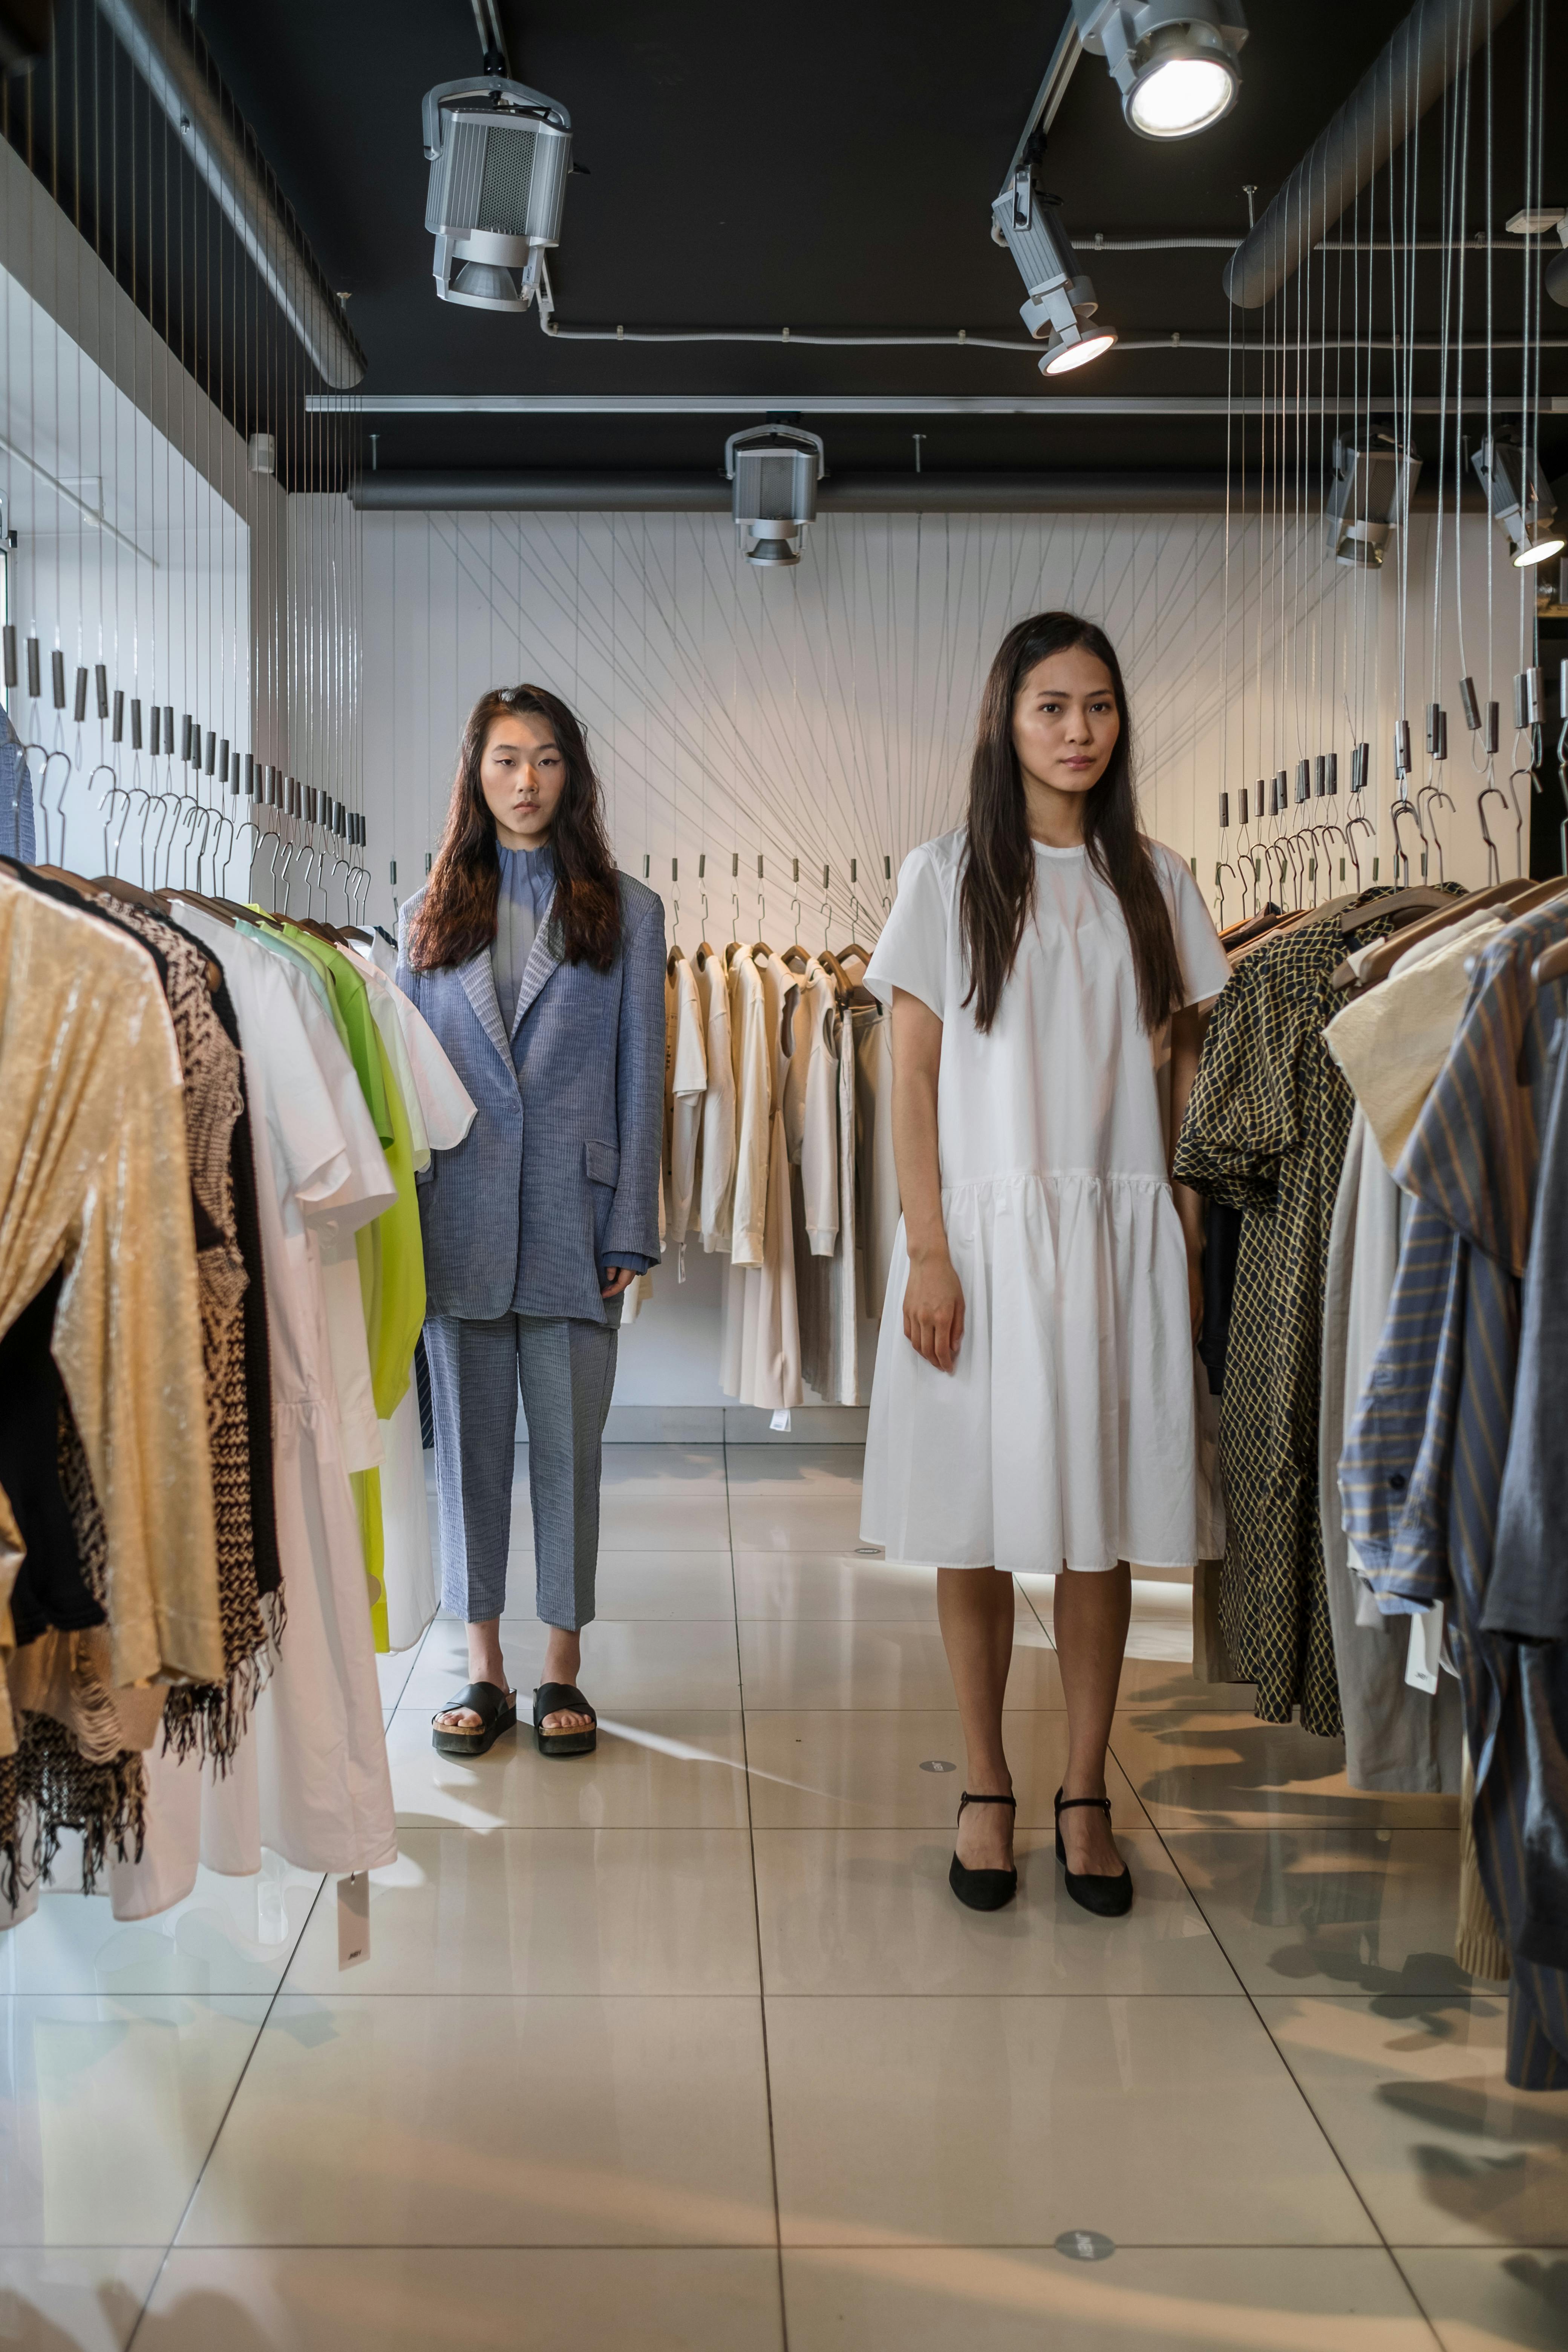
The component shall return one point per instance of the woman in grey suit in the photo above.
(541, 969)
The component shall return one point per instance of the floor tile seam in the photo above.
(1252, 2003)
(228, 2109)
(1409, 2286)
(757, 1927)
(675, 2247)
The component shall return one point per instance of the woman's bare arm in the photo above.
(1188, 1030)
(933, 1298)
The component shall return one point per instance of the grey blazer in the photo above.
(560, 1169)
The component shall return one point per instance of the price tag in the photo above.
(353, 1920)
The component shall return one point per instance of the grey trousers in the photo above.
(566, 1369)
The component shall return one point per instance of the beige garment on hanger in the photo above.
(716, 1151)
(752, 1061)
(685, 1091)
(93, 1172)
(811, 1105)
(760, 1351)
(1391, 1042)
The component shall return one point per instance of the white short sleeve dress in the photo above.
(1066, 1433)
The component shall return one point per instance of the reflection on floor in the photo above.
(688, 2044)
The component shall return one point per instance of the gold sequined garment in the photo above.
(93, 1175)
(1266, 1130)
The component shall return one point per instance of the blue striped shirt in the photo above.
(1422, 1469)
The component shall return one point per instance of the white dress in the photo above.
(1066, 1432)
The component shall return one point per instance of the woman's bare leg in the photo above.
(1090, 1620)
(974, 1606)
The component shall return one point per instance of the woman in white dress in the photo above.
(1033, 1407)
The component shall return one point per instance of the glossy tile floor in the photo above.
(689, 2045)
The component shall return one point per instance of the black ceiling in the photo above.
(822, 166)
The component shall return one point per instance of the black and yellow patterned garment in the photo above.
(1265, 1132)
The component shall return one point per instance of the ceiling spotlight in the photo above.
(499, 154)
(1519, 500)
(1368, 498)
(775, 470)
(1061, 298)
(1174, 61)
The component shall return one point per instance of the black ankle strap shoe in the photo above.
(982, 1890)
(1107, 1897)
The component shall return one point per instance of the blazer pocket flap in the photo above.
(604, 1161)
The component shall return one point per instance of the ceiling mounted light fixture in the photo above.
(1368, 498)
(1174, 61)
(499, 154)
(775, 470)
(1061, 298)
(1519, 500)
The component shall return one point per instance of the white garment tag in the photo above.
(1426, 1648)
(353, 1919)
(780, 1419)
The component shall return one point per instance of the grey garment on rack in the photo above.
(829, 1289)
(1398, 1739)
(17, 838)
(1527, 1596)
(877, 1206)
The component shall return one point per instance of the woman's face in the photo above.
(1065, 722)
(523, 774)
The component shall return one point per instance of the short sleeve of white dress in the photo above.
(912, 954)
(1205, 967)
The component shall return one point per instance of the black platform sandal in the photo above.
(563, 1698)
(497, 1711)
(1107, 1897)
(982, 1890)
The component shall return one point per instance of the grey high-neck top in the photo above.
(527, 889)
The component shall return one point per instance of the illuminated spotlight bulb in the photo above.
(1066, 356)
(1181, 96)
(1539, 550)
(1174, 61)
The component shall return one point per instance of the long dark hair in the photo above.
(457, 917)
(997, 895)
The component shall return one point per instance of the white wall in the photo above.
(824, 713)
(154, 583)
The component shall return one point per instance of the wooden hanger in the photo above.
(831, 965)
(1383, 957)
(1416, 901)
(789, 954)
(677, 955)
(855, 952)
(1550, 964)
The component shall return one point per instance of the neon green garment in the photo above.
(366, 1485)
(391, 1254)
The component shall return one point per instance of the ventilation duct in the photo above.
(499, 154)
(223, 155)
(1411, 72)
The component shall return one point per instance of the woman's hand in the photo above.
(621, 1278)
(933, 1309)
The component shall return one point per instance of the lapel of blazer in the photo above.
(478, 985)
(544, 957)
